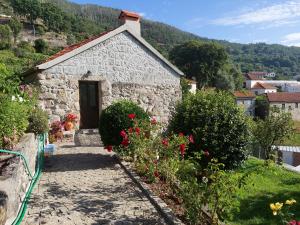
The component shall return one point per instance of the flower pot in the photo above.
(69, 126)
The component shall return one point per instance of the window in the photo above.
(296, 105)
(290, 107)
(283, 106)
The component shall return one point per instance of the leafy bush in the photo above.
(5, 37)
(13, 120)
(38, 121)
(40, 46)
(217, 124)
(115, 118)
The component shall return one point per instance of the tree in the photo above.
(16, 27)
(31, 9)
(185, 86)
(202, 60)
(40, 45)
(218, 125)
(273, 130)
(53, 17)
(5, 37)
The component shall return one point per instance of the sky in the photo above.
(242, 21)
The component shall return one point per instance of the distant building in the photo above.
(289, 102)
(193, 85)
(246, 99)
(4, 19)
(262, 88)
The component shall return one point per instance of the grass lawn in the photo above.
(272, 185)
(295, 139)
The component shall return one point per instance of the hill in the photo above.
(80, 21)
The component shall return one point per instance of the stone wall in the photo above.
(293, 108)
(15, 183)
(123, 67)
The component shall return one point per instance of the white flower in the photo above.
(21, 99)
(157, 157)
(204, 180)
(13, 98)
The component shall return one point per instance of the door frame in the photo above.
(98, 92)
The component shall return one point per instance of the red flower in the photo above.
(125, 142)
(180, 134)
(123, 134)
(153, 121)
(165, 142)
(130, 130)
(109, 148)
(206, 153)
(294, 222)
(131, 116)
(137, 130)
(191, 139)
(155, 161)
(156, 174)
(182, 149)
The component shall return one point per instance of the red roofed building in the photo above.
(87, 77)
(246, 99)
(286, 101)
(262, 88)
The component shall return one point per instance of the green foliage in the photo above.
(114, 119)
(5, 37)
(185, 86)
(13, 120)
(38, 121)
(217, 124)
(8, 83)
(261, 107)
(40, 45)
(273, 130)
(16, 27)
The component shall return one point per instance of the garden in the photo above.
(200, 165)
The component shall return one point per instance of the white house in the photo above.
(261, 88)
(246, 99)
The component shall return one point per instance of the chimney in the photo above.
(132, 20)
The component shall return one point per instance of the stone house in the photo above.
(246, 99)
(286, 101)
(262, 88)
(87, 77)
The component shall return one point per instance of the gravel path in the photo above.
(85, 185)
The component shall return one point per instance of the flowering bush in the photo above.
(71, 118)
(115, 118)
(284, 211)
(55, 132)
(38, 121)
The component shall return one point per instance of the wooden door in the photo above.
(89, 105)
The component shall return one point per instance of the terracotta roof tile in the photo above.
(125, 13)
(260, 85)
(288, 97)
(244, 94)
(75, 46)
(250, 76)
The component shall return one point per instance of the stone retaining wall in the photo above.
(15, 184)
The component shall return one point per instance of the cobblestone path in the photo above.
(85, 185)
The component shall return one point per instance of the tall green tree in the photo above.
(202, 60)
(5, 37)
(273, 130)
(16, 27)
(31, 9)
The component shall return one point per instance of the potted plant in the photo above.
(70, 121)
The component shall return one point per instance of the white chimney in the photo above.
(132, 20)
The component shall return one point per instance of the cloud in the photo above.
(142, 14)
(278, 14)
(292, 39)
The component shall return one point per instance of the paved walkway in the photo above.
(85, 185)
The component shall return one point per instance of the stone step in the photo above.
(88, 137)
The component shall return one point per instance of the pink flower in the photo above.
(153, 121)
(191, 139)
(125, 142)
(180, 134)
(130, 130)
(123, 134)
(294, 222)
(182, 149)
(109, 148)
(131, 116)
(137, 130)
(206, 153)
(165, 142)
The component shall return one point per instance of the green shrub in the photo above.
(13, 120)
(38, 121)
(217, 124)
(115, 118)
(40, 46)
(5, 37)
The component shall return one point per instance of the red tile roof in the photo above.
(75, 46)
(251, 76)
(288, 97)
(125, 13)
(244, 94)
(260, 85)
